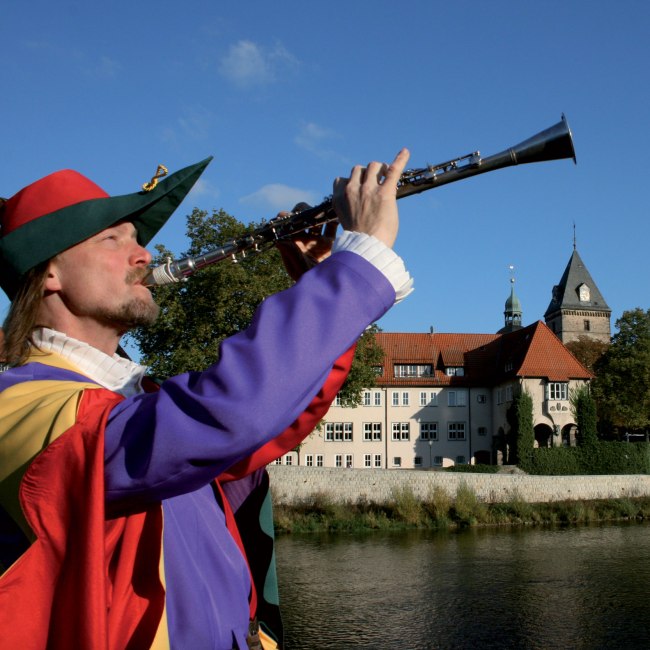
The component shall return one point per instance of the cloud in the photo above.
(316, 139)
(276, 196)
(107, 67)
(248, 64)
(203, 188)
(195, 123)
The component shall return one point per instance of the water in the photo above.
(575, 588)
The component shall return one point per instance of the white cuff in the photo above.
(382, 257)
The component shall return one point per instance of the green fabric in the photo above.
(43, 238)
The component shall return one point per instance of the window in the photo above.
(412, 370)
(319, 460)
(337, 400)
(371, 431)
(278, 461)
(400, 399)
(372, 398)
(457, 398)
(417, 461)
(460, 460)
(428, 398)
(348, 460)
(288, 460)
(397, 461)
(587, 325)
(367, 460)
(456, 431)
(378, 370)
(508, 366)
(482, 431)
(309, 460)
(481, 399)
(455, 371)
(377, 460)
(437, 460)
(557, 391)
(508, 393)
(338, 460)
(338, 432)
(428, 430)
(401, 431)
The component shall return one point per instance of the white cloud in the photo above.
(203, 188)
(248, 64)
(107, 67)
(278, 197)
(318, 140)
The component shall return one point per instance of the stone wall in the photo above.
(293, 485)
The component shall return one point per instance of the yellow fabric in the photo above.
(267, 642)
(32, 415)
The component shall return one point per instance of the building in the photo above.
(443, 399)
(577, 308)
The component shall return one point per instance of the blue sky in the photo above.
(287, 96)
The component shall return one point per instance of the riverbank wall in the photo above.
(297, 485)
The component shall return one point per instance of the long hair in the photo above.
(23, 312)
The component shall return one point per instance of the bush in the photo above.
(597, 458)
(475, 469)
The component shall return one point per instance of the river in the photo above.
(581, 588)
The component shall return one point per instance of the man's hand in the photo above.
(366, 202)
(304, 250)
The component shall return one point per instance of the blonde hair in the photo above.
(23, 312)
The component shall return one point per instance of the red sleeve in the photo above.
(293, 435)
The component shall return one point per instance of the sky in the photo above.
(287, 96)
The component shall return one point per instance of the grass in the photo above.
(442, 511)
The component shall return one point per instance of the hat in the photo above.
(64, 208)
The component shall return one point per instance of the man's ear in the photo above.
(52, 280)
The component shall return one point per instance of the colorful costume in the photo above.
(90, 577)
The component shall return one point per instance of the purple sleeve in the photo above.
(201, 423)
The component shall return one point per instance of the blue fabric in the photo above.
(169, 445)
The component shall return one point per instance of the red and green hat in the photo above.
(64, 208)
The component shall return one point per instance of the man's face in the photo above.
(100, 279)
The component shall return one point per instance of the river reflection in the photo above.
(583, 588)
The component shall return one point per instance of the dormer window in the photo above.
(455, 371)
(413, 370)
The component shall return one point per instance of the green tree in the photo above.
(587, 351)
(363, 374)
(219, 301)
(622, 384)
(522, 432)
(584, 412)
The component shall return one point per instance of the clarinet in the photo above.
(554, 143)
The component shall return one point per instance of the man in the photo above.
(131, 515)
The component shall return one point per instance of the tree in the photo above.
(584, 412)
(587, 351)
(622, 384)
(219, 301)
(522, 432)
(367, 357)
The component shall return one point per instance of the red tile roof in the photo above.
(486, 359)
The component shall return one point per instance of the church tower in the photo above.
(577, 308)
(512, 311)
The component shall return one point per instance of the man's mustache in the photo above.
(136, 276)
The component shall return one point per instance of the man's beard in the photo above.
(134, 313)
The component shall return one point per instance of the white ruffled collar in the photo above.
(115, 373)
